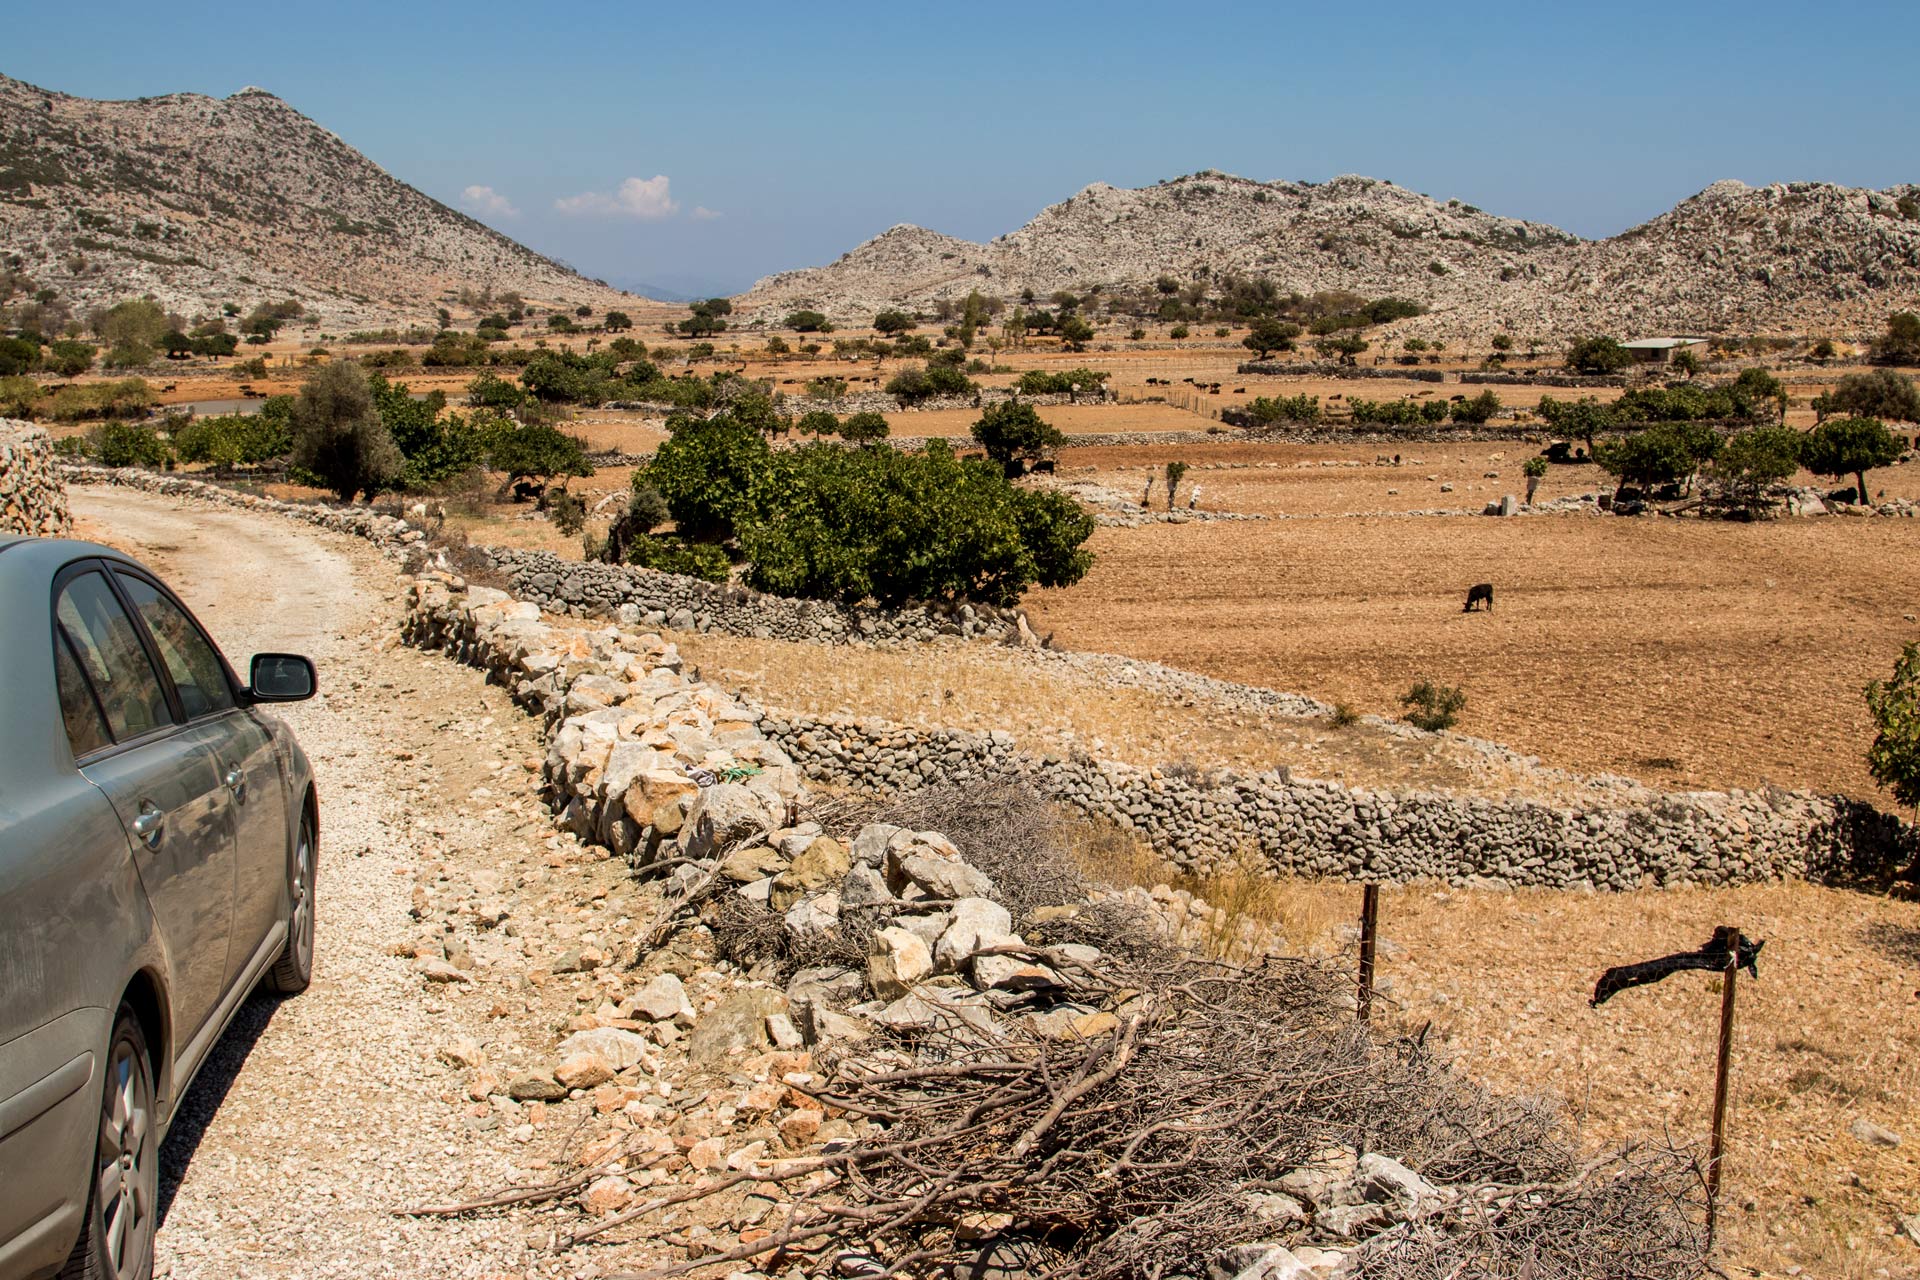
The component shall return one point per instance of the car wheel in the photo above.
(294, 969)
(117, 1242)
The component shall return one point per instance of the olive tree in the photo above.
(1842, 447)
(1881, 393)
(338, 436)
(1014, 434)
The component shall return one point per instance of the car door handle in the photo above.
(236, 781)
(150, 824)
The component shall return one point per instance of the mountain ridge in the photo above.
(202, 201)
(1785, 257)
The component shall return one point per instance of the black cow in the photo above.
(1481, 593)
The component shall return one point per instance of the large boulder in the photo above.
(737, 1024)
(973, 923)
(722, 815)
(896, 962)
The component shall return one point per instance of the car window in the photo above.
(86, 728)
(191, 661)
(110, 653)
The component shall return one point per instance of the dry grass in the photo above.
(1057, 707)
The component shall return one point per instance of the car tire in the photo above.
(123, 1199)
(293, 971)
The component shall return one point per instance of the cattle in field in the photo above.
(1480, 593)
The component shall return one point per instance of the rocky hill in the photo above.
(202, 201)
(1800, 257)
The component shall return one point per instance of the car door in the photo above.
(163, 784)
(242, 751)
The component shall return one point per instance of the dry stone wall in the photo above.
(33, 499)
(645, 597)
(1322, 829)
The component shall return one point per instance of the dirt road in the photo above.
(317, 1116)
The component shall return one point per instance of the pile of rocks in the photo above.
(33, 500)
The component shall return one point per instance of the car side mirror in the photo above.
(280, 677)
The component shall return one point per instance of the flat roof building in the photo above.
(1661, 350)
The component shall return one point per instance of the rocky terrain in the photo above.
(1794, 257)
(203, 201)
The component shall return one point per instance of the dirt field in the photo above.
(1688, 654)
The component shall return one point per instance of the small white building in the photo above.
(1663, 350)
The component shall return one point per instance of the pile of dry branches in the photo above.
(1133, 1153)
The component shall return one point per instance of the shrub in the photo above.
(1476, 410)
(566, 510)
(704, 471)
(1433, 707)
(1392, 413)
(489, 391)
(1598, 354)
(1849, 446)
(18, 356)
(124, 398)
(1042, 382)
(565, 377)
(128, 355)
(923, 382)
(1075, 333)
(1435, 410)
(1823, 350)
(124, 444)
(337, 436)
(1014, 433)
(672, 555)
(234, 440)
(1343, 715)
(1269, 409)
(19, 397)
(1894, 757)
(1178, 332)
(1534, 467)
(827, 388)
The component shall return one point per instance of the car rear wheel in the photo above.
(294, 969)
(117, 1243)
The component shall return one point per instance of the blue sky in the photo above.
(787, 133)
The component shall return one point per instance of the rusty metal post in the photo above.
(1717, 1148)
(1369, 936)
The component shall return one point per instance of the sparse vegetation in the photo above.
(1597, 355)
(1433, 707)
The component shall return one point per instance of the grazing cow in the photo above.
(1481, 593)
(1044, 466)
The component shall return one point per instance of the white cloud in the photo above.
(645, 198)
(704, 214)
(488, 201)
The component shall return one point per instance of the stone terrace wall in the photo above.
(650, 598)
(33, 499)
(881, 402)
(1323, 829)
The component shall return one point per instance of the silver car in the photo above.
(157, 855)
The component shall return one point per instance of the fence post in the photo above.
(1369, 936)
(1717, 1147)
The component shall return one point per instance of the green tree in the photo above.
(1687, 363)
(1756, 393)
(530, 454)
(1894, 757)
(1850, 447)
(892, 322)
(1582, 419)
(1476, 410)
(1013, 434)
(1665, 453)
(818, 422)
(1075, 333)
(1598, 354)
(1880, 393)
(705, 471)
(135, 321)
(809, 322)
(70, 359)
(866, 427)
(1345, 347)
(18, 356)
(1752, 462)
(617, 321)
(1269, 334)
(1176, 471)
(129, 444)
(337, 435)
(1900, 344)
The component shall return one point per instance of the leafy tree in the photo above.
(1598, 354)
(705, 470)
(1582, 419)
(1014, 434)
(1665, 453)
(529, 454)
(1433, 707)
(1849, 446)
(1503, 342)
(1075, 333)
(1757, 393)
(559, 323)
(129, 444)
(715, 306)
(1900, 344)
(1752, 462)
(128, 355)
(137, 320)
(1881, 393)
(1178, 332)
(567, 377)
(1344, 346)
(70, 359)
(337, 435)
(1894, 757)
(18, 356)
(233, 440)
(1687, 363)
(489, 391)
(866, 427)
(1270, 334)
(809, 322)
(818, 422)
(1270, 409)
(892, 322)
(706, 318)
(923, 382)
(615, 321)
